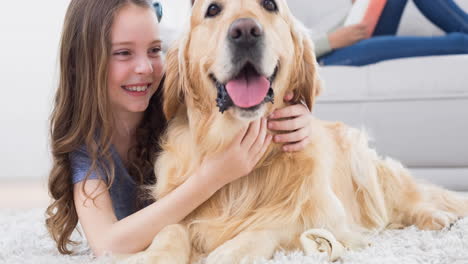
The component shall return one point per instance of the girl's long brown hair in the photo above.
(81, 114)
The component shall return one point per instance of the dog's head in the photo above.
(239, 56)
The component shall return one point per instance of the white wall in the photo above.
(175, 13)
(29, 38)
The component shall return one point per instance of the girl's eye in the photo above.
(155, 50)
(122, 53)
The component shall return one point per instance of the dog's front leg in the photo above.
(245, 248)
(171, 246)
(329, 214)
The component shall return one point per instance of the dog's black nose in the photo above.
(245, 31)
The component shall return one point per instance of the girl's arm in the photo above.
(136, 232)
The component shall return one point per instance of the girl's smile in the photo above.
(139, 89)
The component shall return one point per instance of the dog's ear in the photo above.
(173, 94)
(306, 83)
(175, 84)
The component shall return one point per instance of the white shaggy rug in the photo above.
(24, 239)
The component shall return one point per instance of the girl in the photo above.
(105, 127)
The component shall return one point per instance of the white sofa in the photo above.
(415, 109)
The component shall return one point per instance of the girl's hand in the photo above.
(239, 158)
(296, 120)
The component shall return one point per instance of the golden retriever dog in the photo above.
(234, 59)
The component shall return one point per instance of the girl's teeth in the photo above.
(137, 88)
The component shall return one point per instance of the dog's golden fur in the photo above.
(337, 182)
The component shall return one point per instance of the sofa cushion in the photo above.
(451, 178)
(421, 133)
(409, 78)
(415, 109)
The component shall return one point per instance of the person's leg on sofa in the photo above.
(393, 47)
(390, 18)
(444, 13)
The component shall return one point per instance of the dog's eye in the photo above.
(270, 5)
(213, 10)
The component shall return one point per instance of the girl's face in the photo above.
(136, 66)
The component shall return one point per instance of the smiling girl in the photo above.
(105, 127)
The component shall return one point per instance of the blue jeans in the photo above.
(384, 45)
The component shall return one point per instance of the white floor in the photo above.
(24, 239)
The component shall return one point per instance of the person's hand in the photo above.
(240, 157)
(347, 36)
(294, 122)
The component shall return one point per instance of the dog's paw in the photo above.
(433, 219)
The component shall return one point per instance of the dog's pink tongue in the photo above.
(248, 90)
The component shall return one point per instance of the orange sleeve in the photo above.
(372, 15)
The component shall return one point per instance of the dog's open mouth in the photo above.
(247, 90)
